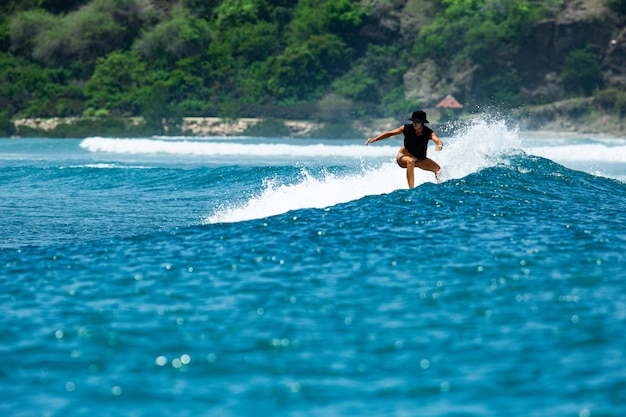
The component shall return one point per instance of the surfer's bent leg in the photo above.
(408, 162)
(429, 165)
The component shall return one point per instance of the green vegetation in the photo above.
(334, 130)
(581, 73)
(613, 99)
(309, 59)
(268, 128)
(618, 5)
(6, 126)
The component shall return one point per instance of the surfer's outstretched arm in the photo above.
(385, 135)
(438, 141)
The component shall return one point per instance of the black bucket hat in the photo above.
(419, 116)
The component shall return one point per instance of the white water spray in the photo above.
(479, 146)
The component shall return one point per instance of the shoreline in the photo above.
(216, 127)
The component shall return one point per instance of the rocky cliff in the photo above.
(539, 61)
(580, 24)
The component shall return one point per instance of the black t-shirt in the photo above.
(416, 145)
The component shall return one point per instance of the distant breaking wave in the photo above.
(473, 139)
(198, 148)
(481, 145)
(581, 152)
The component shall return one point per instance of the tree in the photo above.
(61, 6)
(232, 13)
(303, 69)
(339, 17)
(115, 83)
(618, 5)
(581, 72)
(7, 128)
(182, 36)
(82, 35)
(157, 109)
(4, 33)
(31, 91)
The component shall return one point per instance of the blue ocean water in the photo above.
(258, 277)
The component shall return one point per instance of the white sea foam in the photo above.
(219, 148)
(601, 157)
(109, 166)
(312, 192)
(481, 145)
(581, 152)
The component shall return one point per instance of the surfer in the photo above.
(413, 153)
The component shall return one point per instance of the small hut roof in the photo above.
(449, 103)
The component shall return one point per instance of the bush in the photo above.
(25, 29)
(254, 42)
(302, 70)
(620, 105)
(356, 85)
(318, 17)
(116, 82)
(61, 6)
(581, 72)
(618, 5)
(182, 36)
(333, 108)
(196, 107)
(269, 128)
(84, 35)
(232, 13)
(158, 110)
(33, 91)
(612, 99)
(396, 105)
(7, 128)
(335, 131)
(5, 35)
(500, 89)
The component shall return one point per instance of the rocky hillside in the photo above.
(540, 63)
(550, 63)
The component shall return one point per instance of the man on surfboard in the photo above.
(413, 152)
